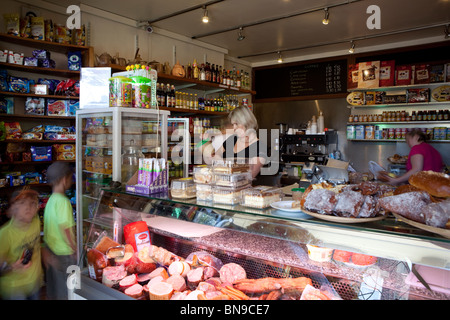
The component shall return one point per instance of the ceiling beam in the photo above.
(295, 14)
(171, 15)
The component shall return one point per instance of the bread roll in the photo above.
(435, 183)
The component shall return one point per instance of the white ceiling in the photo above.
(347, 22)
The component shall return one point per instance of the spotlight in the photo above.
(326, 18)
(352, 48)
(240, 35)
(205, 18)
(280, 59)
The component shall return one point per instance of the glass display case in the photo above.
(179, 148)
(107, 140)
(383, 259)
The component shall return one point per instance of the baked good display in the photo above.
(202, 174)
(227, 195)
(436, 184)
(229, 166)
(204, 192)
(408, 204)
(183, 188)
(347, 201)
(397, 159)
(234, 180)
(260, 197)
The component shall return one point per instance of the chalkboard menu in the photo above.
(299, 80)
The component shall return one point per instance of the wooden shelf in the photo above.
(401, 122)
(34, 162)
(47, 45)
(197, 84)
(35, 116)
(411, 86)
(17, 94)
(415, 104)
(40, 70)
(40, 141)
(183, 110)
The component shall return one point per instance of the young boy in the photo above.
(21, 272)
(59, 236)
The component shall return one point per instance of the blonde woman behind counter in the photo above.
(240, 141)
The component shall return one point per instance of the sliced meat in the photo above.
(210, 272)
(206, 287)
(127, 282)
(194, 277)
(112, 275)
(135, 291)
(159, 272)
(232, 272)
(178, 283)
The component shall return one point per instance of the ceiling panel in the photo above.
(347, 21)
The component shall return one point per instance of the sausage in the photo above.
(194, 277)
(112, 275)
(206, 287)
(161, 271)
(135, 291)
(127, 282)
(232, 272)
(178, 283)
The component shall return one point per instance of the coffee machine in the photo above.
(301, 153)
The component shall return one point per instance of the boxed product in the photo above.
(387, 73)
(261, 197)
(359, 132)
(41, 54)
(233, 180)
(35, 106)
(3, 55)
(15, 58)
(39, 89)
(418, 95)
(204, 192)
(421, 73)
(7, 105)
(183, 188)
(397, 96)
(19, 85)
(13, 130)
(437, 73)
(229, 166)
(352, 76)
(74, 60)
(41, 153)
(369, 97)
(226, 195)
(369, 74)
(56, 107)
(403, 75)
(202, 174)
(64, 151)
(72, 106)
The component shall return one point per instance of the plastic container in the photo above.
(202, 174)
(230, 166)
(227, 195)
(183, 188)
(319, 254)
(120, 92)
(235, 180)
(261, 197)
(137, 234)
(204, 192)
(297, 194)
(142, 92)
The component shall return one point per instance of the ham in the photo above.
(127, 282)
(194, 277)
(178, 283)
(112, 275)
(179, 295)
(232, 272)
(160, 290)
(144, 263)
(206, 287)
(179, 267)
(128, 260)
(143, 278)
(159, 272)
(210, 272)
(135, 291)
(194, 295)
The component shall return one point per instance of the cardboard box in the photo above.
(387, 73)
(56, 107)
(421, 73)
(403, 75)
(369, 74)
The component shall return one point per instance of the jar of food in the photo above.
(297, 194)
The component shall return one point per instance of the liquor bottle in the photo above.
(202, 75)
(168, 96)
(195, 71)
(189, 71)
(238, 80)
(219, 75)
(224, 77)
(213, 73)
(173, 96)
(228, 78)
(207, 72)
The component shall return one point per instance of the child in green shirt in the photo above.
(21, 272)
(59, 235)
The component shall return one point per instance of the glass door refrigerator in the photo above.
(103, 135)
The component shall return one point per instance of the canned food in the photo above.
(391, 133)
(398, 133)
(370, 132)
(437, 133)
(442, 133)
(403, 133)
(359, 132)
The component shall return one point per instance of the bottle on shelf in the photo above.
(320, 123)
(195, 71)
(189, 71)
(238, 80)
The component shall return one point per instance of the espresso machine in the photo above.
(300, 154)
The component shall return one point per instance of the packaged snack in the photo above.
(226, 195)
(30, 61)
(7, 105)
(72, 107)
(4, 56)
(437, 73)
(48, 24)
(46, 63)
(229, 166)
(12, 23)
(352, 77)
(13, 130)
(387, 73)
(37, 28)
(41, 153)
(74, 60)
(183, 188)
(25, 27)
(64, 151)
(369, 74)
(79, 36)
(4, 80)
(403, 75)
(15, 58)
(61, 34)
(421, 73)
(32, 136)
(20, 85)
(418, 95)
(35, 106)
(41, 54)
(56, 107)
(51, 84)
(204, 192)
(260, 197)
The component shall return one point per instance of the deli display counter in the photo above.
(272, 254)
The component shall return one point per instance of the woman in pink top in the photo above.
(422, 157)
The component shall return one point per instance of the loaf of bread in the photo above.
(435, 183)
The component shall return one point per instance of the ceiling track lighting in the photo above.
(326, 19)
(240, 34)
(280, 58)
(205, 18)
(352, 48)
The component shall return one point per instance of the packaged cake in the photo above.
(261, 196)
(234, 180)
(204, 192)
(202, 174)
(227, 195)
(229, 166)
(183, 188)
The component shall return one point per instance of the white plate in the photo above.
(285, 206)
